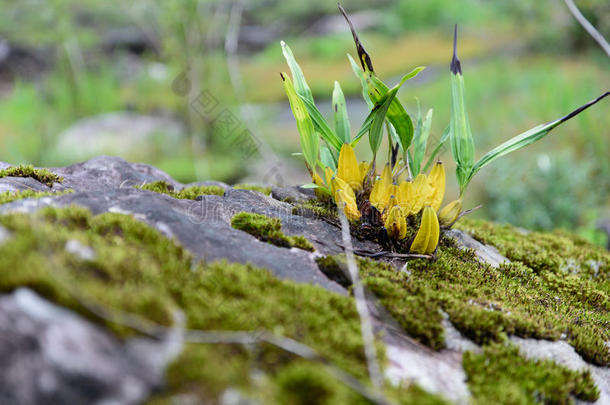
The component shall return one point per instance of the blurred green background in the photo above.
(180, 83)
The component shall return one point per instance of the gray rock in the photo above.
(51, 355)
(485, 253)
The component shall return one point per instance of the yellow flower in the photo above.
(396, 223)
(364, 168)
(406, 196)
(437, 182)
(421, 191)
(380, 194)
(448, 215)
(348, 168)
(345, 198)
(426, 239)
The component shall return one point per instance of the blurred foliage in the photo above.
(544, 191)
(527, 61)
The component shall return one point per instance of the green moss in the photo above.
(551, 251)
(137, 270)
(10, 196)
(41, 175)
(253, 187)
(317, 209)
(187, 193)
(268, 230)
(485, 303)
(500, 375)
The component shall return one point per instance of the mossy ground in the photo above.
(500, 373)
(555, 288)
(187, 193)
(268, 230)
(42, 175)
(137, 270)
(10, 196)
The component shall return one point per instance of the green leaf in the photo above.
(437, 149)
(310, 185)
(379, 114)
(462, 143)
(308, 137)
(376, 89)
(397, 115)
(420, 141)
(366, 126)
(300, 84)
(321, 126)
(342, 126)
(527, 137)
(362, 76)
(327, 159)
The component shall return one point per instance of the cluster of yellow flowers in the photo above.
(394, 195)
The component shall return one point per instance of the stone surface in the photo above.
(564, 354)
(50, 355)
(485, 253)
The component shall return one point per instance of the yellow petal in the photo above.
(437, 181)
(328, 175)
(336, 184)
(363, 168)
(348, 168)
(426, 239)
(450, 212)
(396, 224)
(406, 196)
(346, 199)
(380, 194)
(422, 191)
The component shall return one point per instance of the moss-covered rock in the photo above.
(10, 196)
(137, 270)
(42, 175)
(268, 230)
(187, 193)
(501, 375)
(556, 287)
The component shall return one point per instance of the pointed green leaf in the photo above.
(397, 115)
(462, 143)
(308, 137)
(342, 126)
(322, 126)
(527, 137)
(300, 84)
(420, 141)
(362, 76)
(326, 158)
